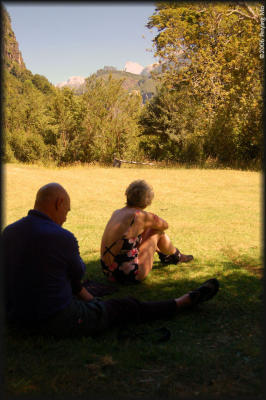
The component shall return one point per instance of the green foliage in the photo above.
(24, 105)
(72, 128)
(42, 84)
(221, 71)
(131, 82)
(26, 147)
(111, 119)
(8, 154)
(206, 103)
(66, 113)
(169, 119)
(25, 119)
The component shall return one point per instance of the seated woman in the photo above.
(132, 236)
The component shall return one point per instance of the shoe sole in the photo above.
(213, 285)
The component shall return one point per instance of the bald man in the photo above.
(43, 278)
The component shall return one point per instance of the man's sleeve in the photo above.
(76, 266)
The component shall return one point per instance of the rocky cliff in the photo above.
(11, 53)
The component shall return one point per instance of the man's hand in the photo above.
(84, 295)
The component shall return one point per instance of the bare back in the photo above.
(126, 223)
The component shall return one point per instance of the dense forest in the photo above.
(205, 104)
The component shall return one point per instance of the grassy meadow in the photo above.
(215, 350)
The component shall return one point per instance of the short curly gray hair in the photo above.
(139, 194)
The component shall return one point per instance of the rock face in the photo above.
(11, 53)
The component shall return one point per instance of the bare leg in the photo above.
(183, 302)
(146, 253)
(169, 254)
(165, 245)
(151, 241)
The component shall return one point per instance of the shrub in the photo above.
(27, 147)
(7, 152)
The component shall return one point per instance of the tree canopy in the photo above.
(220, 70)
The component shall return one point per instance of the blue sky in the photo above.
(60, 40)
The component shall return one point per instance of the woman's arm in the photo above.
(152, 221)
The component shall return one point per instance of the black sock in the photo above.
(171, 258)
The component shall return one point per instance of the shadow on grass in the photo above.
(218, 343)
(241, 286)
(238, 275)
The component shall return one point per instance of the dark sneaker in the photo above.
(205, 292)
(175, 258)
(185, 259)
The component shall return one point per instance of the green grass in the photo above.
(214, 351)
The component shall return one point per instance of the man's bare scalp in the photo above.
(48, 193)
(53, 200)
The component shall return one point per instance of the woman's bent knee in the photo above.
(152, 234)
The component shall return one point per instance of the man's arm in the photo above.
(76, 269)
(85, 295)
(80, 291)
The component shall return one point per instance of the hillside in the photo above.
(132, 82)
(15, 71)
(43, 123)
(12, 56)
(14, 64)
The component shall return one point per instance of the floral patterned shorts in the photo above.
(124, 268)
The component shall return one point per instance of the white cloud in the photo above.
(72, 81)
(133, 67)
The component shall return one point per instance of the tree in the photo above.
(168, 126)
(221, 68)
(66, 114)
(111, 118)
(42, 84)
(24, 119)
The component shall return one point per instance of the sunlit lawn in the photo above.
(216, 350)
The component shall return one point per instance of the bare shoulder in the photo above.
(138, 215)
(154, 221)
(149, 216)
(121, 219)
(123, 213)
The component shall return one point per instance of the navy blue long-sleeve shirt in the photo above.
(42, 265)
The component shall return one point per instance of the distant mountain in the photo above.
(136, 77)
(138, 69)
(141, 81)
(14, 64)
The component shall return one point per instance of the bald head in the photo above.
(48, 193)
(52, 199)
